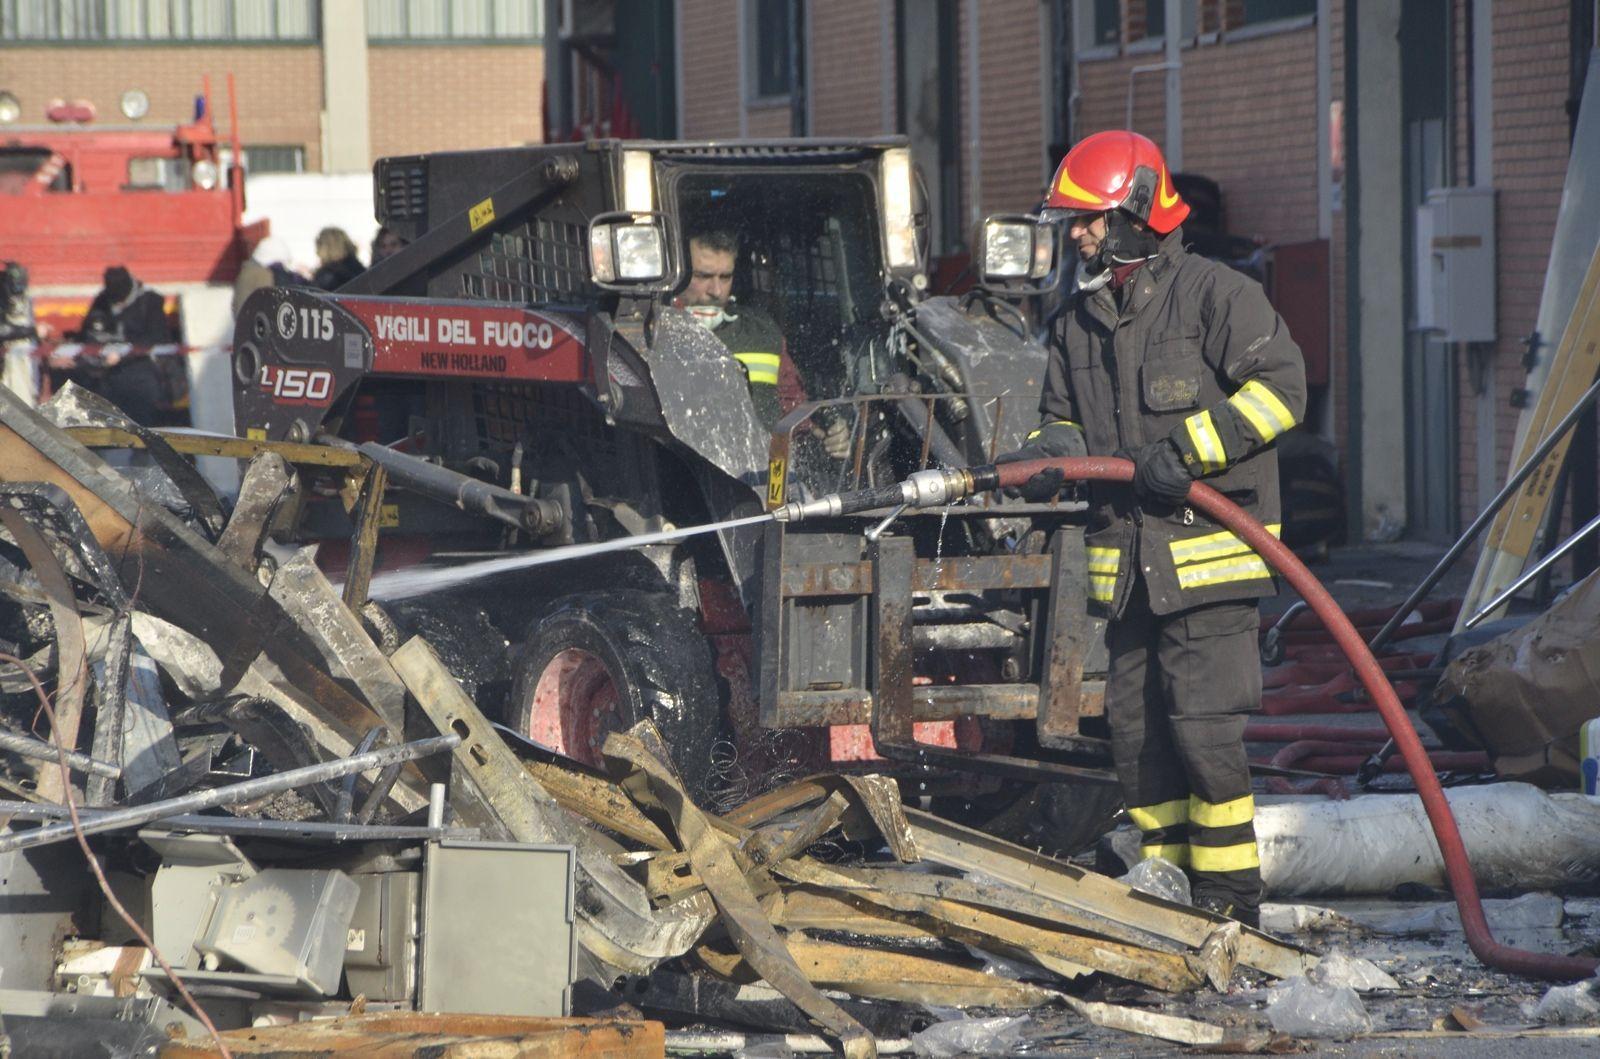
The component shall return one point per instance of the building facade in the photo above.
(1320, 152)
(322, 85)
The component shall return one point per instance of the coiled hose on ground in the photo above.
(1457, 869)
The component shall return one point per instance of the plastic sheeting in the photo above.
(1524, 696)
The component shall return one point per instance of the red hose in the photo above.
(1458, 870)
(1257, 732)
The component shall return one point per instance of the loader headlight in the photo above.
(1017, 251)
(630, 251)
(638, 181)
(899, 209)
(639, 253)
(10, 108)
(1007, 250)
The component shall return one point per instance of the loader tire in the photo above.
(601, 662)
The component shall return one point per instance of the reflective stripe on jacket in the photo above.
(1198, 355)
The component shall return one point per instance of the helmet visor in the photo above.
(1068, 218)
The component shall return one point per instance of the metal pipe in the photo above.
(1470, 534)
(536, 516)
(134, 816)
(40, 750)
(1458, 870)
(1528, 575)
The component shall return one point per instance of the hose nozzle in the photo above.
(929, 488)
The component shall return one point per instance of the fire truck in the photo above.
(78, 195)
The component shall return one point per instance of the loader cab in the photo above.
(824, 231)
(807, 257)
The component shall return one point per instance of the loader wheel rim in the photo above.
(575, 705)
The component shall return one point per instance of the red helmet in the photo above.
(1122, 170)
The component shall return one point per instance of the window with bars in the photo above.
(398, 21)
(134, 21)
(275, 158)
(1252, 12)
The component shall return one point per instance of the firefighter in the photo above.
(1179, 364)
(751, 336)
(126, 310)
(16, 309)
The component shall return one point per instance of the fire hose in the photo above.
(934, 487)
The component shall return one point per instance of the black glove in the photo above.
(1159, 476)
(1050, 441)
(1043, 486)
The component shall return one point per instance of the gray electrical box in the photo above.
(1455, 275)
(498, 930)
(291, 922)
(380, 953)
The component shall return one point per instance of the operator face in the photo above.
(1087, 230)
(710, 275)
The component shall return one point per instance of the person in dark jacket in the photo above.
(16, 308)
(339, 264)
(1179, 364)
(126, 310)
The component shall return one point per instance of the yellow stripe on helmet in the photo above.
(1079, 194)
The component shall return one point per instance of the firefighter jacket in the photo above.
(1191, 351)
(754, 341)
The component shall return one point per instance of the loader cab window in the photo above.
(807, 255)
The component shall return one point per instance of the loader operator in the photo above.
(1179, 364)
(751, 336)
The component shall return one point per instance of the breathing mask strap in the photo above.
(1126, 242)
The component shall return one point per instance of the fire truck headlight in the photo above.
(204, 174)
(639, 252)
(10, 108)
(135, 104)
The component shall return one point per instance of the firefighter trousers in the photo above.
(1177, 695)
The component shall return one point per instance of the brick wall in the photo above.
(1530, 161)
(454, 97)
(847, 46)
(424, 98)
(1249, 123)
(711, 83)
(279, 88)
(1013, 174)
